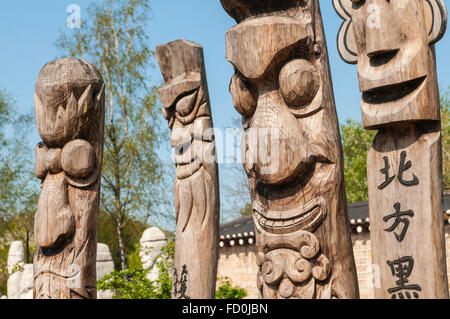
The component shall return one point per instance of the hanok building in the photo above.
(237, 260)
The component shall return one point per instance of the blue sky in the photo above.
(28, 30)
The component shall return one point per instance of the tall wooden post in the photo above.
(69, 105)
(392, 43)
(291, 149)
(187, 109)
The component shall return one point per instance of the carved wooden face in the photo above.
(390, 41)
(278, 90)
(62, 104)
(187, 109)
(69, 107)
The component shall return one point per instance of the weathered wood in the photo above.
(187, 109)
(291, 149)
(406, 213)
(69, 108)
(392, 43)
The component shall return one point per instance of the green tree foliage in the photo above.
(246, 211)
(18, 197)
(114, 38)
(131, 232)
(133, 283)
(356, 143)
(227, 291)
(129, 284)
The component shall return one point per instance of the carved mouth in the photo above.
(186, 170)
(281, 209)
(306, 217)
(394, 92)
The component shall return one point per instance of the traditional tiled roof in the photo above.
(242, 231)
(238, 232)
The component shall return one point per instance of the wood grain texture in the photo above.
(187, 108)
(69, 107)
(291, 149)
(406, 214)
(392, 43)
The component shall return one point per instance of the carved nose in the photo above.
(386, 53)
(382, 32)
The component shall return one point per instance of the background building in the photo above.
(237, 259)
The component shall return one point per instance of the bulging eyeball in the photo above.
(244, 96)
(299, 82)
(186, 104)
(78, 158)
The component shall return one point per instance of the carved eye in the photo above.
(358, 3)
(186, 104)
(299, 82)
(244, 96)
(78, 158)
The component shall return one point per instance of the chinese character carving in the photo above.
(403, 167)
(393, 45)
(398, 215)
(385, 171)
(402, 269)
(180, 284)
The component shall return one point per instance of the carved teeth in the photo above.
(307, 221)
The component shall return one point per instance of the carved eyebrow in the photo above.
(300, 50)
(170, 94)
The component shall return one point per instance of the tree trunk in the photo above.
(123, 260)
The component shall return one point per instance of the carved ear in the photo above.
(39, 111)
(346, 39)
(85, 101)
(436, 19)
(99, 99)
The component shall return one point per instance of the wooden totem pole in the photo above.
(69, 105)
(188, 111)
(392, 43)
(291, 149)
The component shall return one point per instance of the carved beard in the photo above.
(291, 266)
(196, 207)
(192, 200)
(291, 260)
(58, 271)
